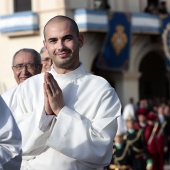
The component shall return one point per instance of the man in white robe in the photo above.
(67, 117)
(10, 140)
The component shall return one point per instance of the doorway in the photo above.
(153, 82)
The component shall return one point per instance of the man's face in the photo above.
(130, 124)
(63, 45)
(46, 61)
(118, 139)
(142, 118)
(21, 72)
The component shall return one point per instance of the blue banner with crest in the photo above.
(116, 48)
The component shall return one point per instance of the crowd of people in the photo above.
(157, 9)
(143, 137)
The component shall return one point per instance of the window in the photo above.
(101, 4)
(22, 5)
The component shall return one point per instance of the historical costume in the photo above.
(155, 141)
(121, 158)
(135, 139)
(141, 114)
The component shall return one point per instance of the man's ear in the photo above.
(81, 40)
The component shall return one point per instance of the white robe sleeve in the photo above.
(10, 140)
(89, 142)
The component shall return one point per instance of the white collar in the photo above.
(79, 72)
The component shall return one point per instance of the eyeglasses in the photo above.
(46, 59)
(29, 66)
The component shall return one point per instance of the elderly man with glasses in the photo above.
(26, 63)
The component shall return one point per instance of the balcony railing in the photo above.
(145, 23)
(97, 20)
(19, 23)
(91, 20)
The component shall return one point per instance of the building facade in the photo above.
(141, 71)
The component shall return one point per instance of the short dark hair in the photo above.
(63, 18)
(34, 53)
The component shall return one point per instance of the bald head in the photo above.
(60, 19)
(63, 41)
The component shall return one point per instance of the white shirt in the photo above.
(81, 137)
(10, 140)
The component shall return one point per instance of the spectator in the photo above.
(45, 60)
(163, 8)
(152, 8)
(25, 64)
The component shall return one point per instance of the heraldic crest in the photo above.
(119, 39)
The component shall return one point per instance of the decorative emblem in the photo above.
(166, 41)
(119, 39)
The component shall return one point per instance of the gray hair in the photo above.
(42, 50)
(34, 53)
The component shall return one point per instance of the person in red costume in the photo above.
(153, 135)
(141, 114)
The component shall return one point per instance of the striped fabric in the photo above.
(20, 21)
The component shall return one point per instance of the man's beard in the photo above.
(65, 63)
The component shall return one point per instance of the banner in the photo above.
(116, 48)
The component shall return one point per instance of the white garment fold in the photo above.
(10, 140)
(81, 137)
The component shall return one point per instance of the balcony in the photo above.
(97, 20)
(19, 24)
(119, 27)
(91, 20)
(145, 23)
